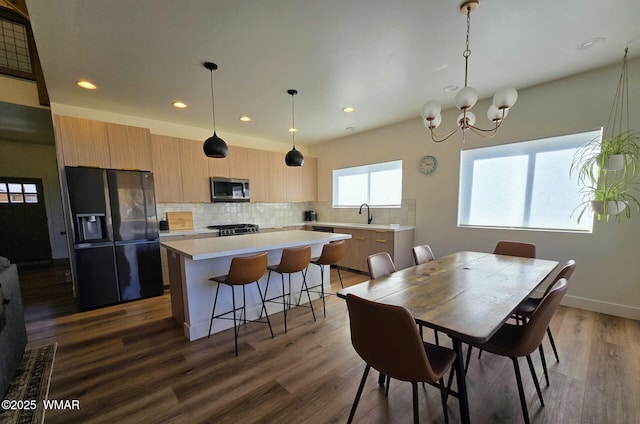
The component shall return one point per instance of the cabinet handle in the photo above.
(380, 241)
(359, 238)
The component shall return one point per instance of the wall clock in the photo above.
(427, 164)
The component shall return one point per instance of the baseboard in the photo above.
(608, 308)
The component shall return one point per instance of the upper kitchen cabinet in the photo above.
(293, 176)
(302, 181)
(84, 142)
(219, 167)
(129, 147)
(310, 180)
(277, 177)
(239, 166)
(258, 175)
(167, 169)
(195, 172)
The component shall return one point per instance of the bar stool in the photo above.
(332, 253)
(294, 259)
(244, 270)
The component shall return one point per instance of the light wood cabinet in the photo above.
(180, 168)
(277, 187)
(310, 180)
(167, 169)
(129, 147)
(239, 163)
(293, 176)
(367, 242)
(195, 172)
(219, 167)
(84, 142)
(258, 175)
(355, 255)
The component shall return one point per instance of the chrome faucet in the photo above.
(369, 217)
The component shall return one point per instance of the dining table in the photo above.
(466, 295)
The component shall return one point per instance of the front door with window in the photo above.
(24, 234)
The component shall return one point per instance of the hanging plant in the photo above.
(608, 167)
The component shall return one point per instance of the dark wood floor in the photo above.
(131, 363)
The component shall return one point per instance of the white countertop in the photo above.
(217, 247)
(362, 226)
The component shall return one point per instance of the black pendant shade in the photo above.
(293, 157)
(214, 146)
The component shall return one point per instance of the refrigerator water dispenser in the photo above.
(91, 227)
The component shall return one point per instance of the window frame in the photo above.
(367, 169)
(531, 149)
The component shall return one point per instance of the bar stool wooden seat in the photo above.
(243, 270)
(294, 259)
(332, 253)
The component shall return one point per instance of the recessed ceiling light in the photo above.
(86, 84)
(293, 130)
(348, 109)
(451, 87)
(179, 105)
(245, 118)
(590, 43)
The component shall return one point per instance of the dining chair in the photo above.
(515, 248)
(293, 259)
(422, 254)
(508, 248)
(243, 270)
(515, 341)
(525, 310)
(387, 339)
(380, 265)
(332, 253)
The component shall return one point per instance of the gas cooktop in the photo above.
(235, 229)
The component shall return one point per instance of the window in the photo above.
(16, 41)
(11, 192)
(378, 184)
(522, 185)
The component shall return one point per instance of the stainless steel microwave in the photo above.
(229, 190)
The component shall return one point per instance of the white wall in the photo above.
(607, 277)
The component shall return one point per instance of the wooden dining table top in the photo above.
(468, 295)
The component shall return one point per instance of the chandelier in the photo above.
(467, 97)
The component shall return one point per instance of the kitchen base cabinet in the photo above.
(367, 242)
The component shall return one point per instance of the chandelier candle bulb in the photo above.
(505, 98)
(466, 98)
(431, 110)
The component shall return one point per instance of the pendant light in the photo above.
(293, 157)
(214, 146)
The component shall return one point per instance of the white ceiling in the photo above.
(385, 58)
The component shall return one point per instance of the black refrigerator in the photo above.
(116, 243)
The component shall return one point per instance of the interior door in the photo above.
(23, 220)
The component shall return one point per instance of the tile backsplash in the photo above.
(279, 214)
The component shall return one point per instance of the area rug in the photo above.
(30, 383)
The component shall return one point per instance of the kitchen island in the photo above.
(193, 262)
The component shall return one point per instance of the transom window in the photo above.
(18, 193)
(522, 185)
(378, 184)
